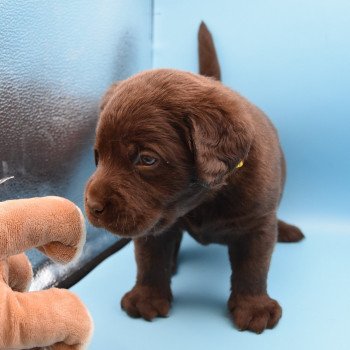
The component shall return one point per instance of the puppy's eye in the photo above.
(96, 157)
(146, 160)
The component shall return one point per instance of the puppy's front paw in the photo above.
(147, 302)
(254, 313)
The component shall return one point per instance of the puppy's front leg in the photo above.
(249, 305)
(151, 295)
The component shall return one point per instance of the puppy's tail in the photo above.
(288, 233)
(208, 60)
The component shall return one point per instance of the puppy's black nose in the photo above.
(96, 207)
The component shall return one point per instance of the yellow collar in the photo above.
(239, 165)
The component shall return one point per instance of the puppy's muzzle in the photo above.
(96, 207)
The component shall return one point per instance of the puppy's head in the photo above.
(164, 140)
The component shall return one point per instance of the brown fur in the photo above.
(199, 130)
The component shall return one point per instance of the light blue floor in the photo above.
(311, 281)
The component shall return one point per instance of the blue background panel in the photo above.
(291, 58)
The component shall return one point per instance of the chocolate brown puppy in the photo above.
(175, 152)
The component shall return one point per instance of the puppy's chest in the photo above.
(216, 225)
(206, 235)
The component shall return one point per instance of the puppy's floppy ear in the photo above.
(107, 96)
(220, 143)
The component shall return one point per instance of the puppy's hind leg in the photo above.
(288, 233)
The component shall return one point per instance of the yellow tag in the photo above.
(240, 164)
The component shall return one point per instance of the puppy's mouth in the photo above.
(127, 226)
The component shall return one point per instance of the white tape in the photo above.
(5, 179)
